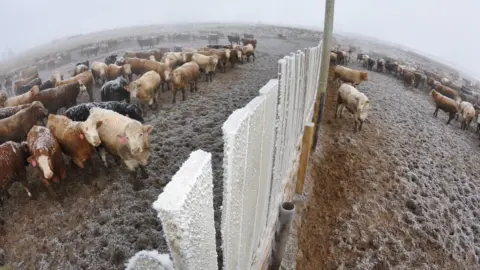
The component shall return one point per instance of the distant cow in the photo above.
(111, 59)
(86, 63)
(234, 39)
(380, 64)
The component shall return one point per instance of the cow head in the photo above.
(89, 130)
(81, 86)
(167, 73)
(134, 136)
(127, 69)
(44, 163)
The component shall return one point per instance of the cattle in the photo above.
(3, 98)
(111, 59)
(72, 137)
(99, 70)
(184, 76)
(47, 84)
(46, 155)
(115, 90)
(408, 78)
(250, 41)
(64, 96)
(86, 63)
(17, 84)
(234, 39)
(114, 71)
(146, 89)
(13, 159)
(87, 79)
(79, 69)
(380, 64)
(247, 51)
(420, 80)
(370, 63)
(25, 88)
(141, 55)
(23, 98)
(9, 111)
(81, 112)
(16, 127)
(123, 137)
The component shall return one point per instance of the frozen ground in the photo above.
(101, 219)
(401, 194)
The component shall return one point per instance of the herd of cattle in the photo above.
(453, 99)
(33, 133)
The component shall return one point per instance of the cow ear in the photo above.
(99, 124)
(82, 136)
(147, 128)
(32, 161)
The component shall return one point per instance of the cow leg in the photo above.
(360, 126)
(206, 76)
(78, 162)
(211, 76)
(23, 179)
(103, 155)
(174, 96)
(253, 57)
(355, 127)
(143, 172)
(196, 82)
(435, 113)
(183, 93)
(450, 117)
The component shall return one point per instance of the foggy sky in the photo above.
(447, 29)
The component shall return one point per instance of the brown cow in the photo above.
(87, 79)
(250, 41)
(13, 159)
(446, 91)
(71, 136)
(23, 98)
(64, 96)
(17, 84)
(113, 71)
(16, 127)
(408, 78)
(46, 155)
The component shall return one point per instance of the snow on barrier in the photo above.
(261, 150)
(185, 208)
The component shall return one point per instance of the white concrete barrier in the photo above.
(186, 210)
(261, 148)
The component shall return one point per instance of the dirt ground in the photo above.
(101, 219)
(401, 194)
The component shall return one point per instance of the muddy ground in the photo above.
(101, 219)
(401, 194)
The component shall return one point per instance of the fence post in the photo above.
(325, 64)
(304, 156)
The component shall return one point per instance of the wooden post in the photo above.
(304, 156)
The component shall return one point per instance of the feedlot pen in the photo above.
(100, 219)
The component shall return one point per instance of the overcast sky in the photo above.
(444, 28)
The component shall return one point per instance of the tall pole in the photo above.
(325, 65)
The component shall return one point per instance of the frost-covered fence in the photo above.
(185, 208)
(261, 149)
